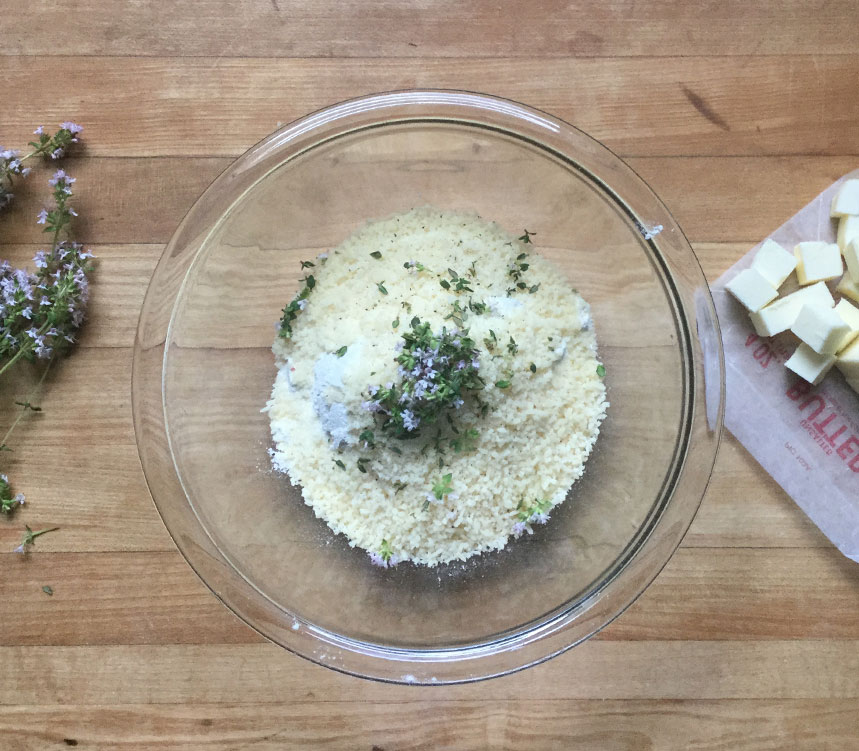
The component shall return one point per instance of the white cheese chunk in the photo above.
(848, 288)
(751, 289)
(848, 230)
(848, 361)
(821, 328)
(774, 263)
(846, 200)
(779, 316)
(807, 364)
(850, 315)
(851, 258)
(817, 262)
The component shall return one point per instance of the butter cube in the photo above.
(848, 230)
(846, 200)
(779, 316)
(851, 258)
(817, 262)
(848, 361)
(774, 263)
(848, 288)
(752, 290)
(850, 315)
(807, 364)
(820, 328)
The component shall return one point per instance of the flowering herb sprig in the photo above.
(41, 311)
(385, 558)
(535, 513)
(48, 146)
(29, 538)
(436, 370)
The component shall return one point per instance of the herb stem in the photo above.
(24, 410)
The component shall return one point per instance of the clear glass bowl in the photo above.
(203, 369)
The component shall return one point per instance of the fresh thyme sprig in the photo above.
(29, 538)
(296, 305)
(436, 371)
(48, 146)
(41, 311)
(534, 513)
(385, 558)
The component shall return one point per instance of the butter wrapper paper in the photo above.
(806, 437)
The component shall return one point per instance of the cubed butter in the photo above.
(817, 262)
(807, 364)
(774, 263)
(779, 316)
(850, 315)
(851, 259)
(846, 200)
(821, 328)
(848, 230)
(848, 361)
(752, 290)
(848, 288)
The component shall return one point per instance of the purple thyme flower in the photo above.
(410, 422)
(42, 216)
(518, 529)
(39, 131)
(72, 128)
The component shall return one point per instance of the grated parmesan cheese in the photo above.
(533, 441)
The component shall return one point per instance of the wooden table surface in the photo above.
(736, 112)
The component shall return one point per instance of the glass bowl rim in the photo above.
(547, 636)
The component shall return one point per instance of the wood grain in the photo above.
(265, 674)
(705, 594)
(431, 28)
(752, 725)
(638, 107)
(709, 196)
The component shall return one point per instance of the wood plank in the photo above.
(123, 273)
(431, 28)
(752, 725)
(86, 425)
(709, 196)
(638, 107)
(155, 598)
(265, 674)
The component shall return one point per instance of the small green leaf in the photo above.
(398, 451)
(381, 286)
(395, 323)
(376, 254)
(27, 405)
(415, 322)
(444, 283)
(601, 370)
(340, 464)
(502, 384)
(48, 590)
(532, 367)
(362, 464)
(307, 264)
(399, 486)
(311, 281)
(534, 288)
(342, 351)
(521, 256)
